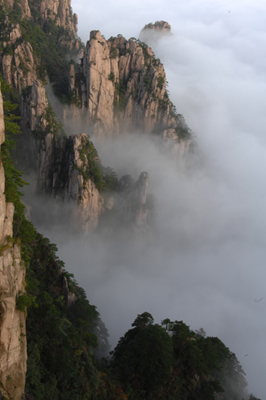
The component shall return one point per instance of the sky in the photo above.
(207, 264)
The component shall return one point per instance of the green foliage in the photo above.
(143, 319)
(110, 179)
(164, 104)
(112, 77)
(8, 51)
(121, 89)
(113, 52)
(104, 178)
(148, 82)
(90, 169)
(24, 301)
(160, 81)
(50, 51)
(60, 338)
(144, 356)
(183, 133)
(172, 362)
(23, 231)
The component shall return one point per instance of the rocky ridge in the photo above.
(124, 88)
(63, 166)
(119, 86)
(16, 60)
(13, 346)
(59, 11)
(161, 26)
(152, 33)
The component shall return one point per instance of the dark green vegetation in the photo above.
(23, 230)
(50, 45)
(104, 178)
(52, 125)
(60, 336)
(167, 361)
(151, 361)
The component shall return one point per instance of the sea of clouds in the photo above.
(206, 263)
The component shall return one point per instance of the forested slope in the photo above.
(67, 342)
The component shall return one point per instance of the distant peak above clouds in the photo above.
(153, 32)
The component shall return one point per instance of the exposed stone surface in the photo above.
(161, 26)
(13, 346)
(58, 10)
(70, 298)
(23, 4)
(57, 160)
(18, 67)
(33, 108)
(125, 87)
(56, 164)
(134, 207)
(72, 77)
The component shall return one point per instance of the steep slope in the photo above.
(119, 86)
(13, 346)
(124, 89)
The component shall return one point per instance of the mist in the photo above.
(205, 263)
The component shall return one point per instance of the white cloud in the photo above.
(208, 264)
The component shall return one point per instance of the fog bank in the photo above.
(206, 263)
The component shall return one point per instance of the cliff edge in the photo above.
(13, 346)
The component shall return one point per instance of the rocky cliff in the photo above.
(22, 6)
(25, 53)
(119, 86)
(68, 169)
(123, 88)
(16, 58)
(59, 11)
(13, 347)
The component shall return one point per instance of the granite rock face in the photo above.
(124, 88)
(137, 207)
(23, 4)
(13, 345)
(16, 60)
(58, 10)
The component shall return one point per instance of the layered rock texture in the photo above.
(136, 207)
(13, 348)
(123, 88)
(16, 59)
(59, 11)
(68, 169)
(119, 86)
(19, 33)
(22, 4)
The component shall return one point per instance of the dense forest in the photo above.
(67, 342)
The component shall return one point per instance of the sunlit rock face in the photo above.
(59, 177)
(124, 87)
(13, 345)
(18, 67)
(59, 11)
(23, 4)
